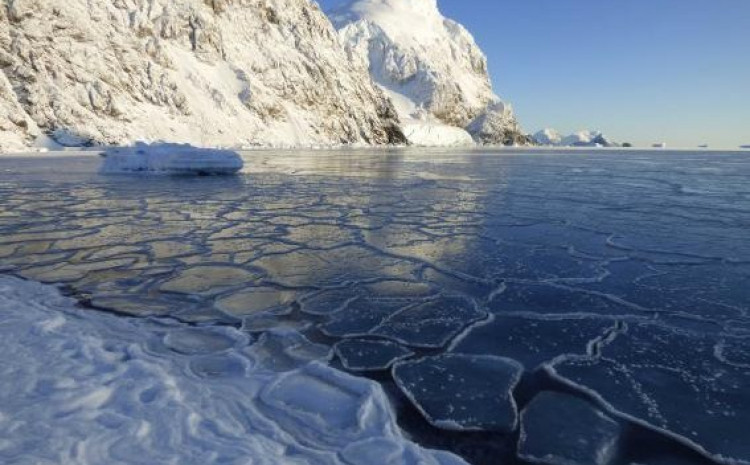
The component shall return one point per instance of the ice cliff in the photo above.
(207, 72)
(430, 67)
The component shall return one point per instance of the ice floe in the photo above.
(531, 340)
(170, 159)
(462, 392)
(370, 355)
(559, 429)
(672, 380)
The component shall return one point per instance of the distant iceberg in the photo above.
(170, 159)
(550, 137)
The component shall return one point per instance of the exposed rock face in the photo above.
(210, 72)
(497, 125)
(426, 62)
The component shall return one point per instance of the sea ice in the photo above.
(195, 341)
(284, 350)
(431, 324)
(208, 279)
(170, 159)
(78, 386)
(462, 392)
(551, 299)
(533, 341)
(559, 429)
(370, 355)
(646, 374)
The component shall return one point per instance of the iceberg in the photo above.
(183, 159)
(586, 138)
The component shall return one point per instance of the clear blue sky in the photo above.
(642, 71)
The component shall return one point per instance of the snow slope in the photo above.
(83, 387)
(427, 64)
(206, 72)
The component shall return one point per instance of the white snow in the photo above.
(425, 63)
(77, 386)
(433, 133)
(548, 136)
(584, 138)
(170, 159)
(210, 73)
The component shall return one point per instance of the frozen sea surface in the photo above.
(616, 278)
(89, 388)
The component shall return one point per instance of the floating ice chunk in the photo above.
(194, 341)
(431, 324)
(318, 406)
(645, 375)
(255, 300)
(208, 279)
(170, 159)
(367, 355)
(359, 316)
(559, 429)
(462, 392)
(327, 302)
(533, 341)
(284, 350)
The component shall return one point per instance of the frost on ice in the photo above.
(370, 355)
(559, 429)
(170, 159)
(533, 341)
(462, 392)
(82, 387)
(674, 380)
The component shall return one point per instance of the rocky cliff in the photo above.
(209, 72)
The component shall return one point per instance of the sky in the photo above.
(641, 71)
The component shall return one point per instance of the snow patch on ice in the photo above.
(79, 386)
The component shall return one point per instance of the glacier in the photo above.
(84, 387)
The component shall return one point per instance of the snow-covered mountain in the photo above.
(430, 67)
(551, 137)
(209, 72)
